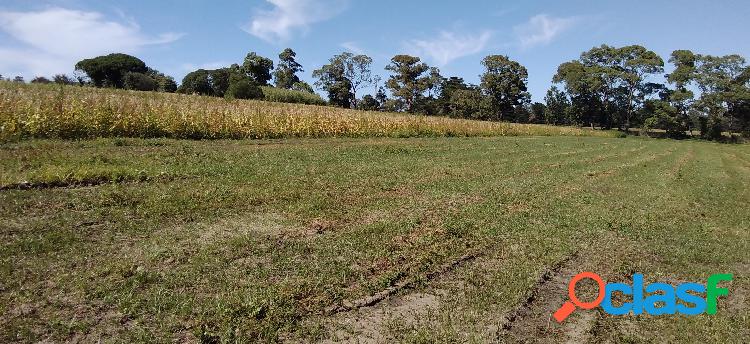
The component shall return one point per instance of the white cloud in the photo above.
(54, 39)
(189, 67)
(352, 47)
(449, 46)
(287, 16)
(542, 29)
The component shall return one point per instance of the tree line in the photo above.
(606, 87)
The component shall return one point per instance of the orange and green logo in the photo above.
(652, 299)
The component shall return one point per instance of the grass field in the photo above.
(472, 239)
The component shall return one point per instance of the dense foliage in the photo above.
(617, 87)
(607, 87)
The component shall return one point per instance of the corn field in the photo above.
(70, 112)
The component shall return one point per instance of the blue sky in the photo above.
(175, 37)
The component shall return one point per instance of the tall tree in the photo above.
(407, 82)
(723, 82)
(220, 80)
(430, 104)
(504, 81)
(381, 97)
(285, 75)
(109, 70)
(637, 63)
(343, 76)
(683, 75)
(358, 71)
(332, 79)
(258, 68)
(612, 79)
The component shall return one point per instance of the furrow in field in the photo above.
(574, 174)
(535, 320)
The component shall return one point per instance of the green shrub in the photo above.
(139, 82)
(281, 95)
(243, 89)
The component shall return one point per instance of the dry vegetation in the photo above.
(49, 111)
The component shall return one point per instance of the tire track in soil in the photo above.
(531, 320)
(371, 300)
(400, 305)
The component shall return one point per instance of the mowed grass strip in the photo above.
(253, 238)
(53, 111)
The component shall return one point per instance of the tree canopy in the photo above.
(285, 75)
(342, 76)
(258, 68)
(504, 81)
(409, 79)
(109, 70)
(607, 84)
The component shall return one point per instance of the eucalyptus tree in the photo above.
(683, 75)
(637, 64)
(343, 76)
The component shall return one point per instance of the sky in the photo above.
(42, 38)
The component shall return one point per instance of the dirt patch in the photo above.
(532, 319)
(518, 207)
(171, 246)
(367, 325)
(367, 320)
(268, 224)
(405, 284)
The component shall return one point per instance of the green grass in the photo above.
(163, 240)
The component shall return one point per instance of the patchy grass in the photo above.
(257, 240)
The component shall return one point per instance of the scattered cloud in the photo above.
(54, 39)
(504, 11)
(449, 46)
(542, 29)
(287, 16)
(352, 47)
(189, 67)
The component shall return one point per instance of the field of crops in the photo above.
(51, 111)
